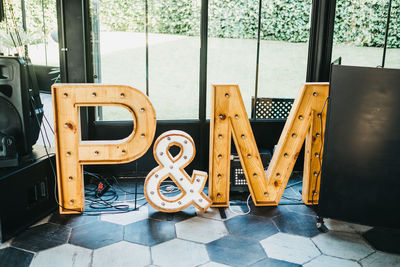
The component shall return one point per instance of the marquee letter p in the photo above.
(72, 153)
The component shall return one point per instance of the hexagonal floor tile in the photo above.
(291, 248)
(328, 261)
(42, 237)
(235, 251)
(149, 232)
(379, 259)
(72, 220)
(384, 239)
(96, 235)
(126, 217)
(213, 213)
(11, 257)
(269, 212)
(302, 209)
(63, 256)
(274, 263)
(340, 226)
(6, 244)
(343, 245)
(122, 254)
(214, 264)
(175, 217)
(297, 224)
(200, 229)
(179, 253)
(250, 226)
(42, 221)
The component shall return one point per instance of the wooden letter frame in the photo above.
(72, 153)
(229, 117)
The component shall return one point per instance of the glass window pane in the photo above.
(174, 58)
(119, 48)
(359, 32)
(41, 21)
(41, 27)
(285, 31)
(119, 42)
(232, 47)
(173, 46)
(393, 50)
(9, 41)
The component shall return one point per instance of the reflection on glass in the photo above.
(232, 47)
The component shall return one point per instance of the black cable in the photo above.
(48, 123)
(105, 203)
(34, 111)
(320, 151)
(52, 167)
(127, 192)
(119, 208)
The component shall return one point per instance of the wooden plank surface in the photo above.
(229, 118)
(302, 123)
(72, 153)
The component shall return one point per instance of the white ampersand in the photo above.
(191, 188)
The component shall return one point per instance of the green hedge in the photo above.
(360, 22)
(363, 22)
(34, 21)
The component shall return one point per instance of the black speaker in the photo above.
(360, 168)
(21, 110)
(26, 192)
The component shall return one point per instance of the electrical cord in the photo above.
(119, 208)
(51, 164)
(239, 213)
(34, 112)
(48, 124)
(320, 151)
(102, 205)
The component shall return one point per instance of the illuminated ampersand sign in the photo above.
(173, 167)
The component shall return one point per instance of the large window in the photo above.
(119, 46)
(30, 28)
(232, 50)
(162, 62)
(393, 41)
(285, 31)
(155, 47)
(359, 33)
(232, 46)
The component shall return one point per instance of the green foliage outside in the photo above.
(359, 22)
(34, 21)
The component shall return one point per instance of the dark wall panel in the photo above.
(360, 179)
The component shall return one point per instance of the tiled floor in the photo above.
(268, 236)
